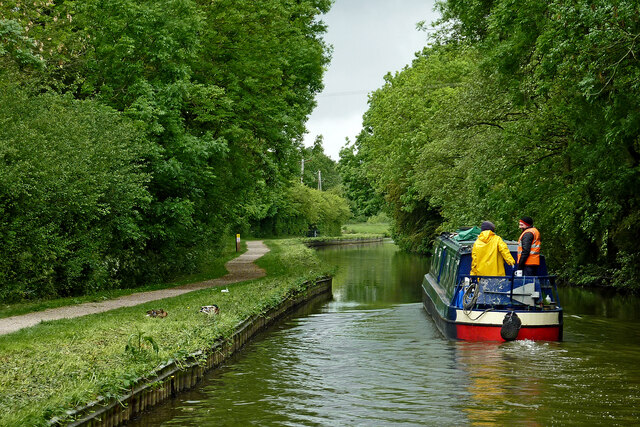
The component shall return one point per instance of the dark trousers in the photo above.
(530, 270)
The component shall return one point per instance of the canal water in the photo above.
(372, 356)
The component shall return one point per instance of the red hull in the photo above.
(492, 333)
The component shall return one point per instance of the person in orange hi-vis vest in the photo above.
(528, 247)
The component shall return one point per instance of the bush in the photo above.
(302, 208)
(72, 196)
(380, 218)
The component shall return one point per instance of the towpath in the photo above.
(240, 269)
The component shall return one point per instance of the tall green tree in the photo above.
(301, 210)
(398, 126)
(363, 199)
(520, 110)
(17, 51)
(572, 70)
(318, 167)
(223, 89)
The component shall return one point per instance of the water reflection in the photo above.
(483, 368)
(600, 302)
(372, 356)
(503, 387)
(376, 274)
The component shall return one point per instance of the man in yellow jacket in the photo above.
(489, 253)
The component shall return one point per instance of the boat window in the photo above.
(452, 271)
(433, 259)
(441, 267)
(446, 269)
(435, 262)
(449, 269)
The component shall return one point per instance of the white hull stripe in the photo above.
(496, 317)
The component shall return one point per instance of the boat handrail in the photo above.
(545, 284)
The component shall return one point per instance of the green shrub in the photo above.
(303, 208)
(72, 195)
(380, 218)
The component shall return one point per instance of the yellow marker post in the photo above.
(237, 243)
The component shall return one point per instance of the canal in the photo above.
(372, 356)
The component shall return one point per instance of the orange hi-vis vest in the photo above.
(534, 254)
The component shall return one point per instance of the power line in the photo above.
(351, 92)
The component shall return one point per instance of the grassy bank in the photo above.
(210, 269)
(366, 228)
(58, 365)
(344, 238)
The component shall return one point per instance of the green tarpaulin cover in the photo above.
(470, 234)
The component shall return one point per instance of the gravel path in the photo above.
(240, 269)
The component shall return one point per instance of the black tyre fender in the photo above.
(510, 326)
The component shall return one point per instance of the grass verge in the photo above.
(58, 365)
(367, 228)
(344, 237)
(211, 269)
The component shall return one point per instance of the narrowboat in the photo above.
(488, 308)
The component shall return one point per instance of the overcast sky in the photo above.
(370, 38)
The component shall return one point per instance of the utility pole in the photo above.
(319, 180)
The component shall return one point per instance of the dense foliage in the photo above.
(303, 210)
(319, 169)
(363, 200)
(71, 197)
(197, 108)
(528, 109)
(312, 205)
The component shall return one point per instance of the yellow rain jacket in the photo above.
(489, 254)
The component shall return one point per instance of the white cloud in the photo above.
(370, 39)
(334, 131)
